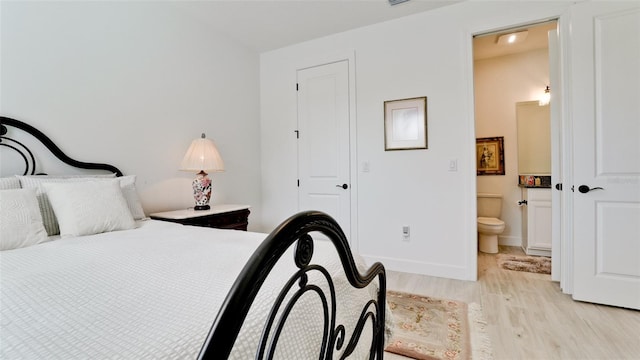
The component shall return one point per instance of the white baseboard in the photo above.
(510, 240)
(422, 268)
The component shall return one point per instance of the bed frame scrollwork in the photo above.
(27, 155)
(296, 231)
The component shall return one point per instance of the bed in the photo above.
(150, 289)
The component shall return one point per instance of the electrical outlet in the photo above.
(406, 233)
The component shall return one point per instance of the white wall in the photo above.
(427, 54)
(132, 84)
(500, 83)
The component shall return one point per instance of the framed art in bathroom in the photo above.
(405, 124)
(490, 156)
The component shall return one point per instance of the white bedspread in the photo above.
(147, 293)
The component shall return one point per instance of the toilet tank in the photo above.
(489, 205)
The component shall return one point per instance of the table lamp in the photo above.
(202, 156)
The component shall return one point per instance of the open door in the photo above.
(605, 88)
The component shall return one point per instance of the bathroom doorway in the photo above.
(514, 67)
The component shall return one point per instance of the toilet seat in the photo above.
(490, 221)
(490, 226)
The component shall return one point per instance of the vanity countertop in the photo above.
(535, 186)
(534, 181)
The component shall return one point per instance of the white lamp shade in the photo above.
(202, 155)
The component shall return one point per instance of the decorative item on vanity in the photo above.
(489, 224)
(538, 181)
(202, 156)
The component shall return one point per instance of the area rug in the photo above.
(533, 264)
(428, 328)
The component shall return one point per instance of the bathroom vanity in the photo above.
(534, 169)
(536, 221)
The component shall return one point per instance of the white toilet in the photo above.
(489, 226)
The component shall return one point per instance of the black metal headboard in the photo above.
(27, 155)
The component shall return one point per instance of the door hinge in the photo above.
(297, 134)
(298, 182)
(297, 87)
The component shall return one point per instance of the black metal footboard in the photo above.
(233, 312)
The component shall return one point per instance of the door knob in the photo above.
(559, 186)
(344, 186)
(585, 189)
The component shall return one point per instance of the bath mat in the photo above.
(428, 328)
(533, 264)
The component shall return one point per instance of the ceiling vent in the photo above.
(396, 2)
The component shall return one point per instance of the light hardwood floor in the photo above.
(529, 317)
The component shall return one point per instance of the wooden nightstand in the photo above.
(219, 216)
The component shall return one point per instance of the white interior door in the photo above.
(605, 86)
(323, 141)
(555, 113)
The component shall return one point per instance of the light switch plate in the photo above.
(453, 165)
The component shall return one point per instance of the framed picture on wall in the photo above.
(490, 156)
(405, 124)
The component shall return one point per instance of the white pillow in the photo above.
(128, 185)
(49, 217)
(20, 219)
(89, 207)
(7, 183)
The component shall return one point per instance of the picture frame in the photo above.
(490, 156)
(405, 124)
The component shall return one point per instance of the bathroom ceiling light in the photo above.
(546, 97)
(512, 38)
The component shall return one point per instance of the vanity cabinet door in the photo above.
(538, 215)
